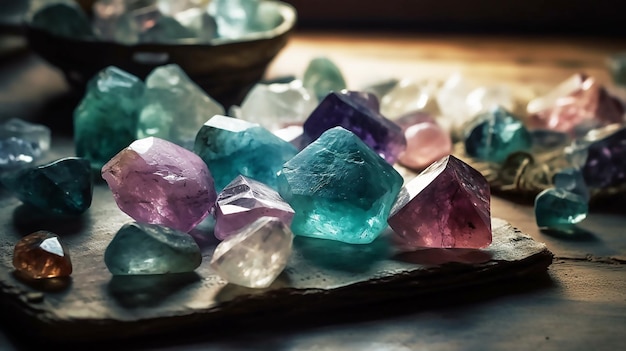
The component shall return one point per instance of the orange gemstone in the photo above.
(42, 255)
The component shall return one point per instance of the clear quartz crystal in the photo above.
(34, 133)
(234, 17)
(487, 98)
(256, 255)
(408, 96)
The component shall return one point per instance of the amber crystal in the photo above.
(42, 255)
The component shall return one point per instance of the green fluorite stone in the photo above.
(63, 20)
(339, 189)
(63, 187)
(105, 121)
(233, 147)
(140, 248)
(322, 76)
(559, 208)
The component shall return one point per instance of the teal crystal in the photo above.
(322, 76)
(233, 147)
(105, 121)
(63, 187)
(140, 248)
(174, 107)
(558, 208)
(339, 189)
(494, 135)
(64, 20)
(572, 180)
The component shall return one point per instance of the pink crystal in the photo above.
(426, 141)
(447, 207)
(245, 200)
(156, 181)
(578, 101)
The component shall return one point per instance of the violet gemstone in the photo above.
(245, 200)
(158, 182)
(380, 134)
(448, 207)
(606, 159)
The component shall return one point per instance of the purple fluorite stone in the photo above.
(448, 207)
(606, 159)
(158, 182)
(380, 134)
(245, 200)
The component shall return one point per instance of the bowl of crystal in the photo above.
(223, 45)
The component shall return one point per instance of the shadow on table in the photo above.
(27, 219)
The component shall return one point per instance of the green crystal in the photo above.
(105, 121)
(559, 208)
(339, 189)
(140, 248)
(322, 76)
(233, 147)
(63, 20)
(63, 187)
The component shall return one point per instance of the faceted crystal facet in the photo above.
(36, 134)
(140, 248)
(448, 208)
(339, 189)
(277, 105)
(231, 147)
(322, 76)
(559, 208)
(571, 179)
(243, 201)
(255, 255)
(155, 181)
(63, 20)
(42, 255)
(579, 102)
(605, 162)
(383, 136)
(175, 107)
(495, 135)
(63, 187)
(105, 121)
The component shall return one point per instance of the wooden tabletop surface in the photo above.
(579, 305)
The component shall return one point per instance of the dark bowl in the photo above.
(226, 69)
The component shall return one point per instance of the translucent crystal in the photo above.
(36, 134)
(234, 18)
(409, 96)
(322, 76)
(571, 179)
(22, 142)
(125, 21)
(61, 18)
(559, 208)
(487, 98)
(451, 99)
(42, 255)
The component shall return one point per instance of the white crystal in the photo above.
(172, 8)
(562, 91)
(451, 99)
(175, 107)
(256, 255)
(289, 133)
(277, 105)
(199, 22)
(35, 134)
(409, 96)
(486, 98)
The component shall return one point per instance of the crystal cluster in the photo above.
(42, 255)
(22, 143)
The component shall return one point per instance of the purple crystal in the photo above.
(380, 134)
(448, 207)
(245, 200)
(606, 158)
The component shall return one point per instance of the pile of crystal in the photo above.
(155, 21)
(119, 108)
(42, 255)
(447, 206)
(22, 143)
(156, 181)
(143, 249)
(63, 187)
(339, 188)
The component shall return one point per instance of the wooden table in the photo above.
(579, 305)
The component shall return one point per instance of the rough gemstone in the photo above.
(231, 147)
(486, 98)
(42, 255)
(451, 99)
(256, 255)
(322, 76)
(140, 248)
(382, 135)
(447, 207)
(63, 20)
(277, 105)
(578, 103)
(174, 107)
(235, 18)
(559, 208)
(493, 136)
(105, 121)
(16, 153)
(427, 142)
(410, 96)
(243, 201)
(339, 188)
(571, 179)
(605, 161)
(63, 187)
(155, 181)
(36, 134)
